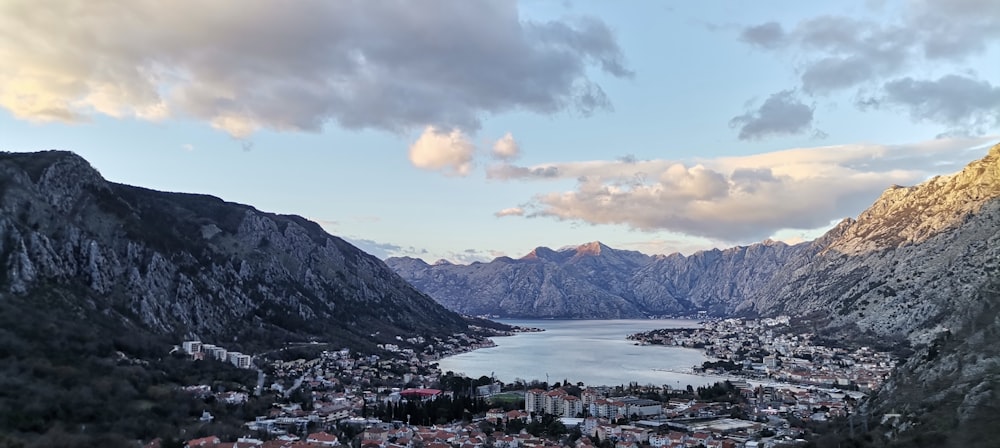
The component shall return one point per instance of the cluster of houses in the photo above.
(340, 384)
(766, 349)
(313, 440)
(198, 351)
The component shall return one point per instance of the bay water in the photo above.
(595, 352)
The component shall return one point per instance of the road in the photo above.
(298, 382)
(260, 383)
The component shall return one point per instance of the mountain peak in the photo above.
(905, 215)
(591, 248)
(541, 253)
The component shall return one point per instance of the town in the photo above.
(782, 388)
(765, 349)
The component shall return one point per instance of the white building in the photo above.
(192, 347)
(534, 401)
(239, 360)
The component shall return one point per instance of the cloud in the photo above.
(298, 66)
(468, 256)
(512, 211)
(506, 148)
(768, 35)
(665, 246)
(450, 152)
(187, 147)
(742, 199)
(781, 114)
(384, 250)
(834, 53)
(961, 102)
(508, 171)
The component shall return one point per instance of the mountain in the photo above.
(917, 272)
(193, 265)
(99, 280)
(589, 281)
(909, 265)
(901, 268)
(594, 281)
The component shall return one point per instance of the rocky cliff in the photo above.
(589, 281)
(908, 265)
(191, 265)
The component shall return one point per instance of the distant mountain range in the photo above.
(902, 267)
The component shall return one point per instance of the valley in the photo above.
(914, 274)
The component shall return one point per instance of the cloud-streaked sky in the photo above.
(468, 130)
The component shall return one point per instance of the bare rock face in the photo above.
(908, 265)
(193, 265)
(589, 281)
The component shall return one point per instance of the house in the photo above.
(322, 438)
(204, 441)
(701, 438)
(496, 415)
(659, 440)
(505, 442)
(518, 415)
(376, 436)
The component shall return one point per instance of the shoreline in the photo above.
(610, 359)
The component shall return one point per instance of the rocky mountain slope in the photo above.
(189, 265)
(908, 265)
(591, 280)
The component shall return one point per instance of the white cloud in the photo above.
(512, 211)
(298, 66)
(449, 152)
(740, 199)
(506, 148)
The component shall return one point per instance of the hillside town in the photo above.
(767, 350)
(782, 386)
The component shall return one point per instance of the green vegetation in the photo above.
(79, 377)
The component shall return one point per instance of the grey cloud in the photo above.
(836, 73)
(958, 101)
(302, 65)
(750, 180)
(955, 29)
(768, 35)
(507, 171)
(781, 114)
(383, 250)
(834, 53)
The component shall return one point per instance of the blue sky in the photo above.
(469, 130)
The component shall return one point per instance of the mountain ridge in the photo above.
(767, 277)
(193, 264)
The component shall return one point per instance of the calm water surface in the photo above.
(593, 351)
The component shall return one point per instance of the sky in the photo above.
(466, 130)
